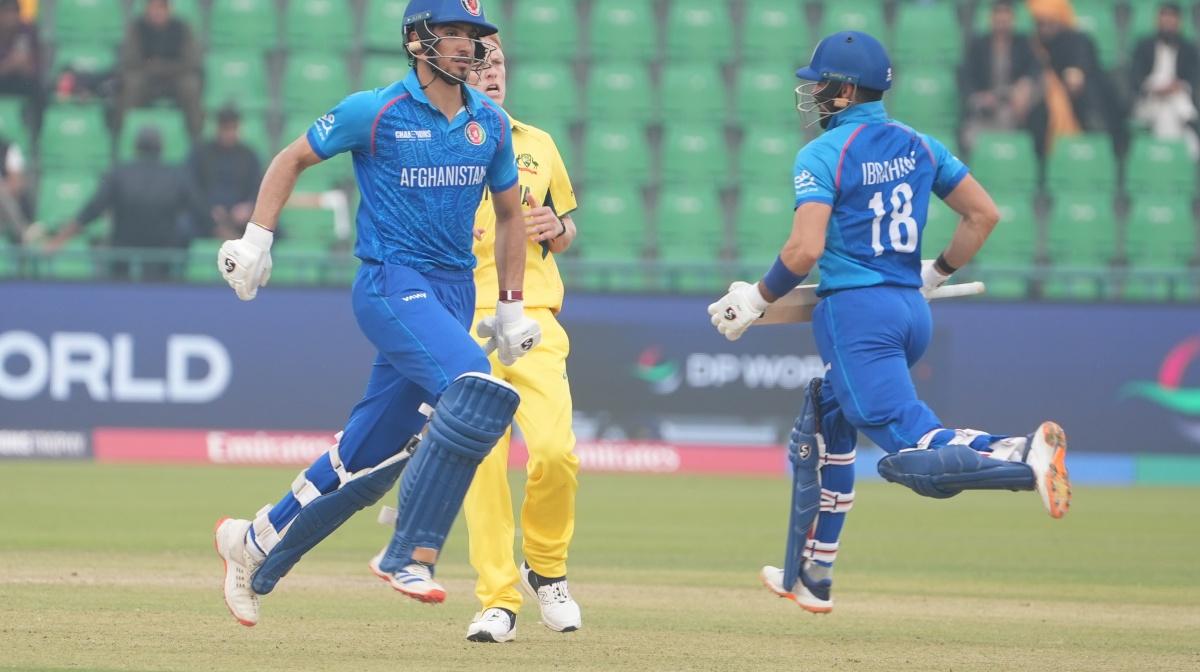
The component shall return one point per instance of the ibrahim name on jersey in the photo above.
(421, 176)
(877, 175)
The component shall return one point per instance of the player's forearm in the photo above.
(979, 216)
(510, 251)
(279, 182)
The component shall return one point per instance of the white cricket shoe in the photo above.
(814, 597)
(230, 540)
(493, 625)
(415, 581)
(1047, 457)
(560, 612)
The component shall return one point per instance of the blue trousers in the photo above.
(869, 338)
(419, 324)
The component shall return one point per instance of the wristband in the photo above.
(780, 279)
(507, 295)
(564, 229)
(942, 267)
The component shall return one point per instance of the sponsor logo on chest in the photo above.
(415, 135)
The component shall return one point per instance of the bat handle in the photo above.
(955, 291)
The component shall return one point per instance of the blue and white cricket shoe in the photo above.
(812, 596)
(415, 581)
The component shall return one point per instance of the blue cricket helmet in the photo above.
(851, 57)
(433, 12)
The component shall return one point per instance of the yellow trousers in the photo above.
(548, 513)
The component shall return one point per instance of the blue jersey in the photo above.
(877, 175)
(421, 176)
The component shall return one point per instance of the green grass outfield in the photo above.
(112, 568)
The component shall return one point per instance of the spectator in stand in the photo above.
(227, 172)
(160, 59)
(1077, 94)
(997, 76)
(149, 201)
(29, 10)
(1164, 74)
(20, 53)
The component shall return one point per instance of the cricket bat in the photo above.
(798, 304)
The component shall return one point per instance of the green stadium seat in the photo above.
(690, 230)
(75, 137)
(622, 29)
(1160, 229)
(616, 237)
(768, 154)
(925, 97)
(12, 121)
(380, 70)
(170, 123)
(1099, 21)
(85, 58)
(314, 82)
(615, 151)
(1081, 231)
(93, 21)
(927, 33)
(1160, 167)
(619, 91)
(1012, 245)
(862, 15)
(541, 29)
(238, 77)
(540, 90)
(700, 30)
(188, 10)
(1082, 234)
(774, 28)
(202, 261)
(762, 222)
(1082, 162)
(692, 92)
(1005, 161)
(765, 93)
(383, 25)
(62, 195)
(1160, 242)
(244, 24)
(309, 24)
(254, 133)
(695, 154)
(298, 262)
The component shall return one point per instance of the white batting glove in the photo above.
(246, 263)
(931, 277)
(737, 310)
(510, 333)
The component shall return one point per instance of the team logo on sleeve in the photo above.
(325, 125)
(472, 7)
(805, 181)
(474, 131)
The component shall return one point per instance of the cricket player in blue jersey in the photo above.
(862, 195)
(424, 149)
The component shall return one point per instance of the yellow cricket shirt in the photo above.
(540, 172)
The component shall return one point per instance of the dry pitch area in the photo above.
(112, 568)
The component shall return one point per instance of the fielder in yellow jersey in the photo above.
(544, 416)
